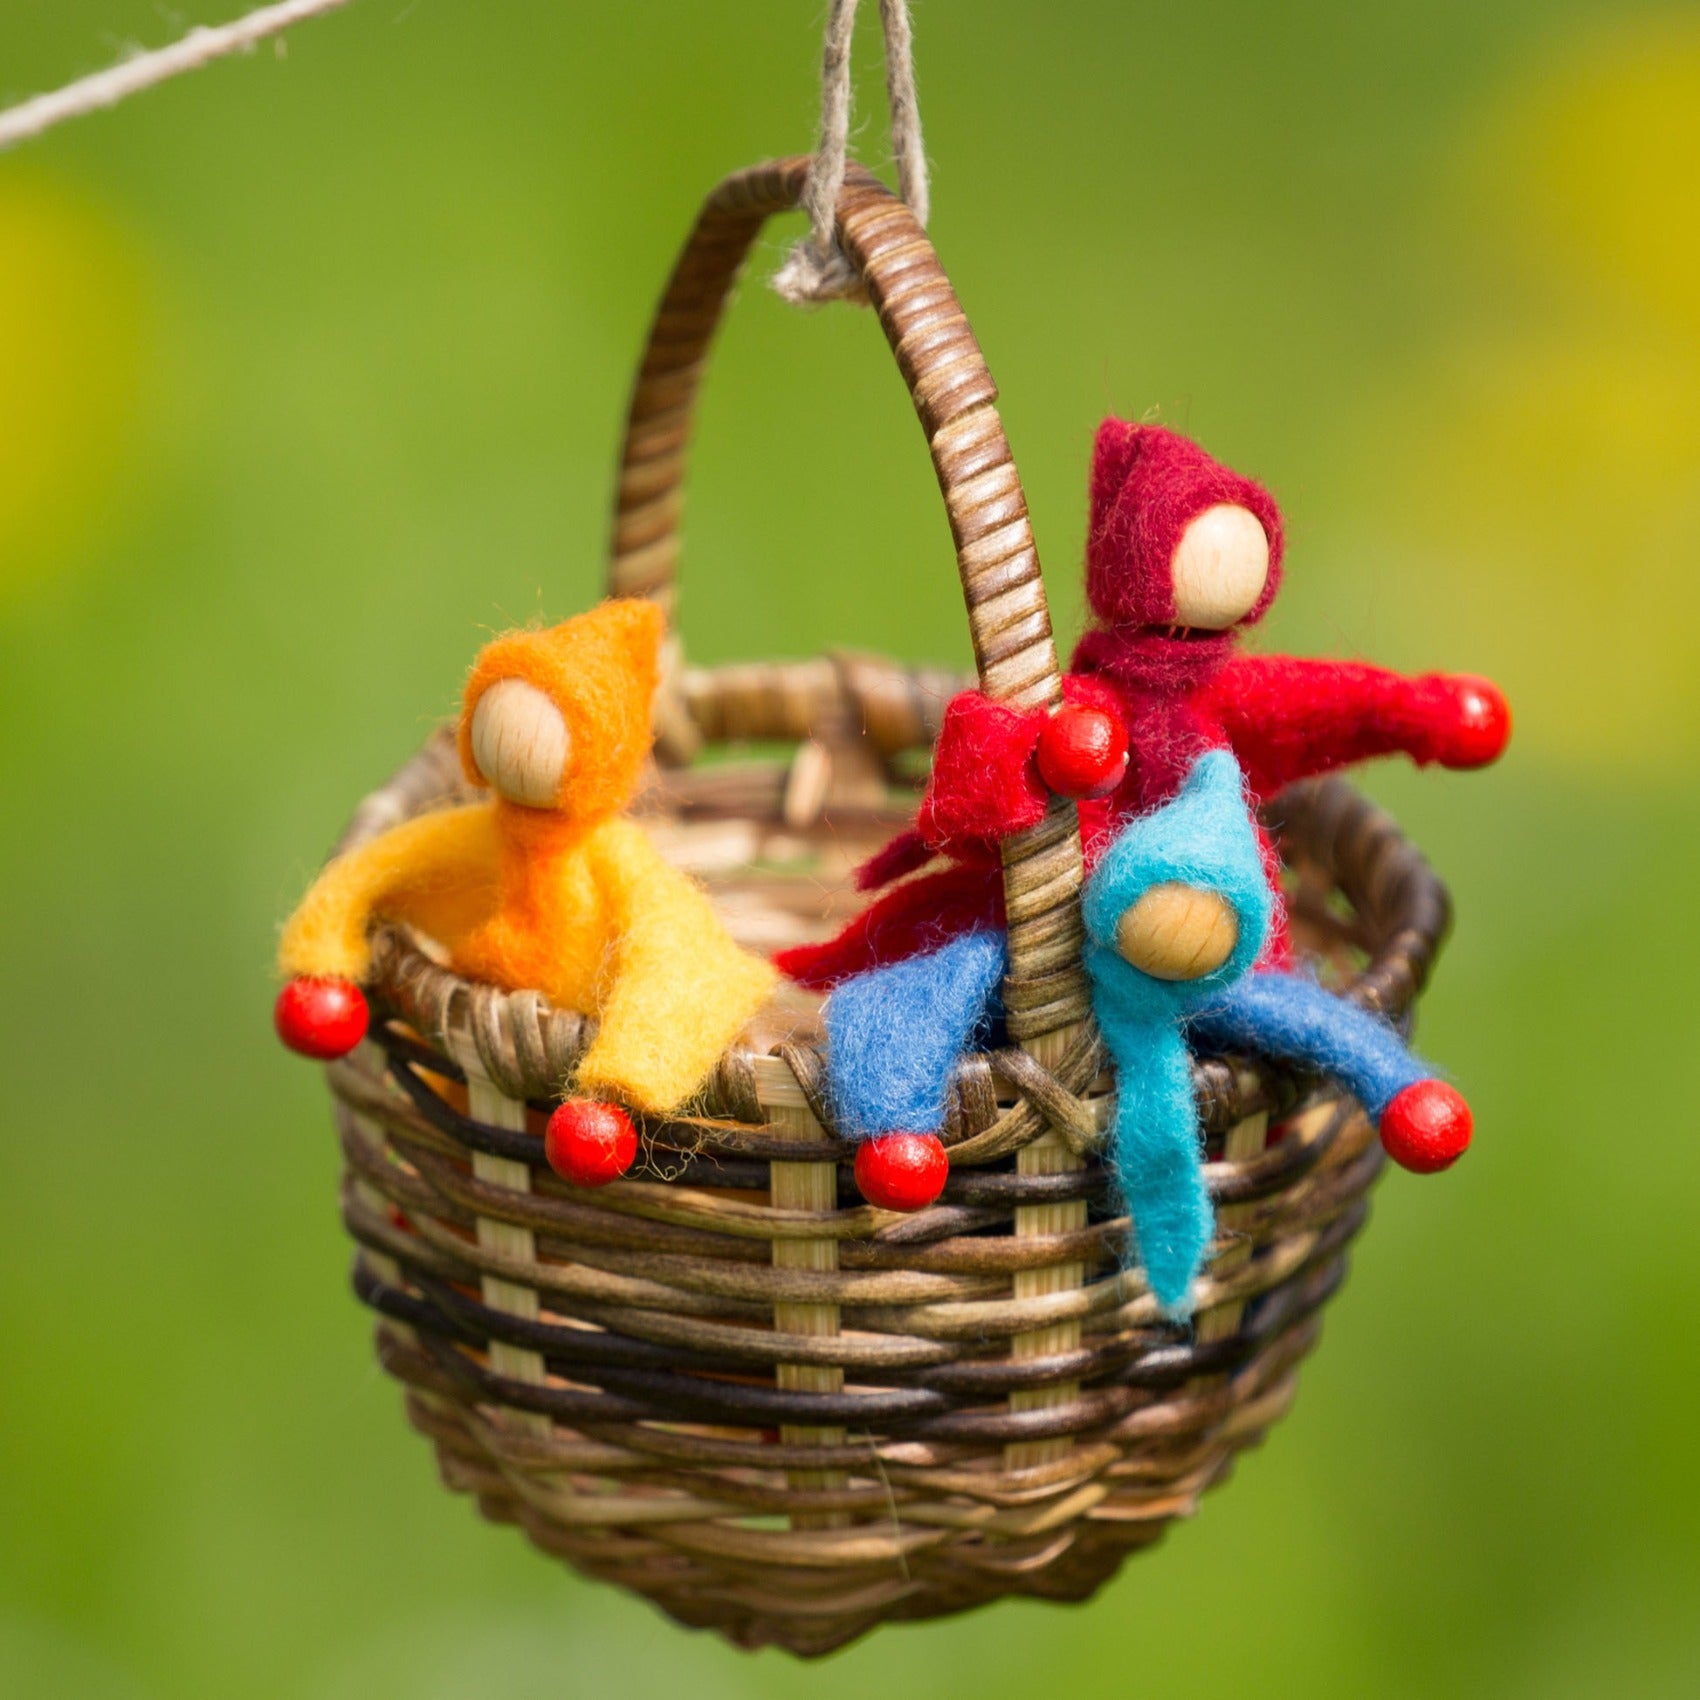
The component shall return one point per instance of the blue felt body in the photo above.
(1202, 838)
(894, 1034)
(1290, 1016)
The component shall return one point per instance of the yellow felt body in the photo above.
(593, 918)
(547, 886)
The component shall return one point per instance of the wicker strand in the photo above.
(817, 269)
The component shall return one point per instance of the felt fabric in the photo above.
(904, 855)
(1290, 717)
(1292, 1017)
(1148, 485)
(985, 781)
(440, 871)
(985, 750)
(911, 919)
(573, 901)
(1203, 837)
(894, 1035)
(1154, 681)
(600, 923)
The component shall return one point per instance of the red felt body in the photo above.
(909, 920)
(1176, 694)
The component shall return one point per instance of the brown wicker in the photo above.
(726, 1382)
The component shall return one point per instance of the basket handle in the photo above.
(955, 398)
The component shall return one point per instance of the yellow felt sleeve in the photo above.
(679, 990)
(430, 866)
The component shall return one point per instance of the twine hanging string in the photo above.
(815, 269)
(199, 47)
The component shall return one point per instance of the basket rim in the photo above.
(529, 1048)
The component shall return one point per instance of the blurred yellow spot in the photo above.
(1550, 457)
(1610, 158)
(71, 324)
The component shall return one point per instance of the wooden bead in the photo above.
(1082, 752)
(323, 1019)
(1178, 932)
(520, 743)
(1220, 567)
(1482, 724)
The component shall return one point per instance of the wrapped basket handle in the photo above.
(955, 400)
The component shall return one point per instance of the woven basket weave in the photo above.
(726, 1382)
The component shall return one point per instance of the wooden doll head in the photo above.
(559, 720)
(1175, 537)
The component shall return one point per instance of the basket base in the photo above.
(1134, 1490)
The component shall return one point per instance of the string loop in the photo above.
(816, 269)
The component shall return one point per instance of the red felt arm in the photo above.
(984, 783)
(1288, 717)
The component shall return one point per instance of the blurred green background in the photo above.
(310, 373)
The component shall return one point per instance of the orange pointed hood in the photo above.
(600, 670)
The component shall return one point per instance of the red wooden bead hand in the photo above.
(323, 1019)
(1480, 720)
(589, 1143)
(902, 1171)
(1082, 751)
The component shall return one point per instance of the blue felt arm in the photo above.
(1289, 1016)
(894, 1035)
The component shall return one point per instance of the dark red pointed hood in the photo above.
(1148, 485)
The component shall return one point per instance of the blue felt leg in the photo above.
(1289, 1016)
(894, 1035)
(1159, 1162)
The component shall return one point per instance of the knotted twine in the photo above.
(816, 269)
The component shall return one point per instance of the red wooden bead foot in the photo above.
(902, 1171)
(1082, 752)
(589, 1143)
(323, 1019)
(1427, 1127)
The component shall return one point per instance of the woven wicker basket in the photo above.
(726, 1382)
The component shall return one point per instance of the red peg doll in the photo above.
(1182, 555)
